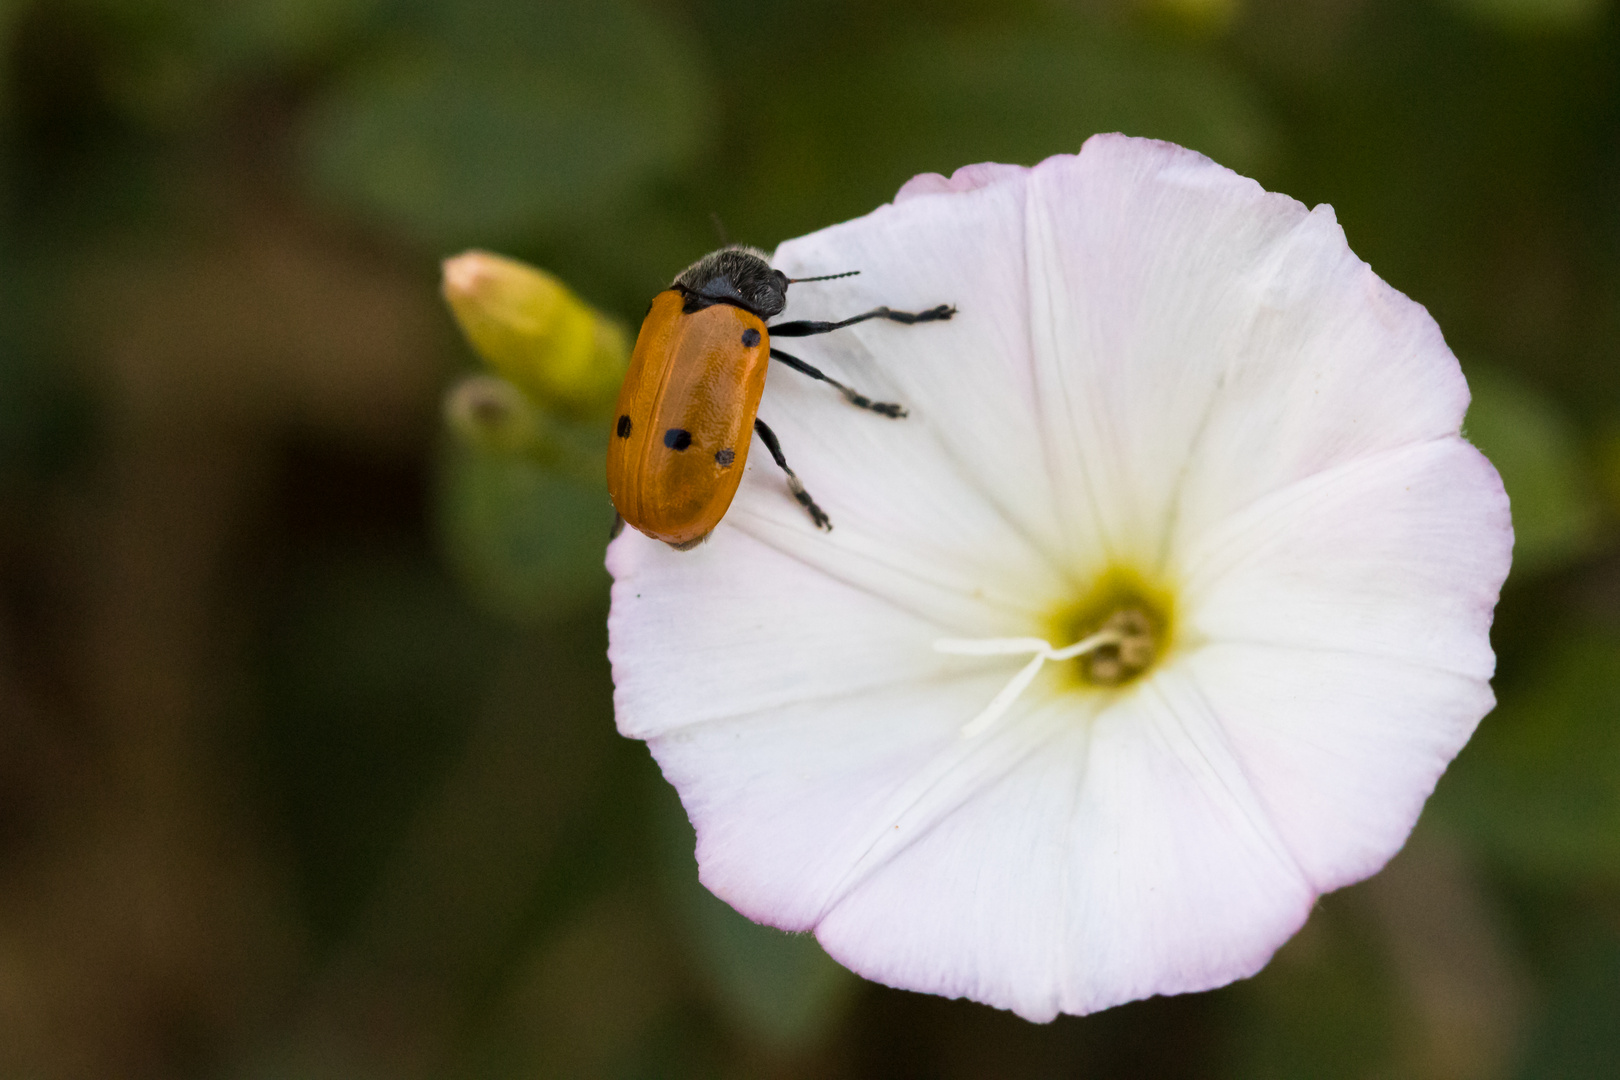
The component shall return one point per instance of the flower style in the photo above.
(1159, 616)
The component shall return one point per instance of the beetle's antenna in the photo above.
(824, 277)
(719, 227)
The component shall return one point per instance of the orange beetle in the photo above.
(687, 410)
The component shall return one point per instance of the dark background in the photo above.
(307, 765)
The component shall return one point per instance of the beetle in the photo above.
(687, 411)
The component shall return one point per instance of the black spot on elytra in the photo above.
(624, 427)
(750, 337)
(677, 438)
(725, 457)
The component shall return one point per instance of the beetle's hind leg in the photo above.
(855, 397)
(807, 327)
(768, 437)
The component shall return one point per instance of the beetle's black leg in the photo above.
(768, 437)
(806, 327)
(883, 408)
(618, 526)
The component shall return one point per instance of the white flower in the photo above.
(1173, 409)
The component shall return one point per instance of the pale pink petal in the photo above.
(1398, 555)
(1200, 342)
(737, 627)
(740, 626)
(1139, 330)
(1341, 629)
(1342, 749)
(973, 434)
(1156, 364)
(796, 806)
(967, 178)
(1129, 857)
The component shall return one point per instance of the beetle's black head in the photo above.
(734, 275)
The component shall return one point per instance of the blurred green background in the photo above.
(307, 762)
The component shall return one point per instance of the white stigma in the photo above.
(1020, 682)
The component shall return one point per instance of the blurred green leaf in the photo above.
(1324, 1008)
(374, 666)
(510, 118)
(261, 33)
(47, 407)
(587, 1001)
(1578, 1034)
(1532, 15)
(937, 100)
(45, 417)
(527, 540)
(1532, 444)
(780, 988)
(1609, 466)
(1538, 787)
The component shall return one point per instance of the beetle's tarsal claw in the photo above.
(882, 408)
(817, 515)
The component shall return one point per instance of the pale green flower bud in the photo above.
(533, 330)
(492, 414)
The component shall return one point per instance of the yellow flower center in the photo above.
(1116, 631)
(1124, 604)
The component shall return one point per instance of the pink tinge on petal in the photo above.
(967, 178)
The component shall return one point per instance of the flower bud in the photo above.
(492, 414)
(533, 330)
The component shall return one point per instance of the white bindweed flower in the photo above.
(1158, 617)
